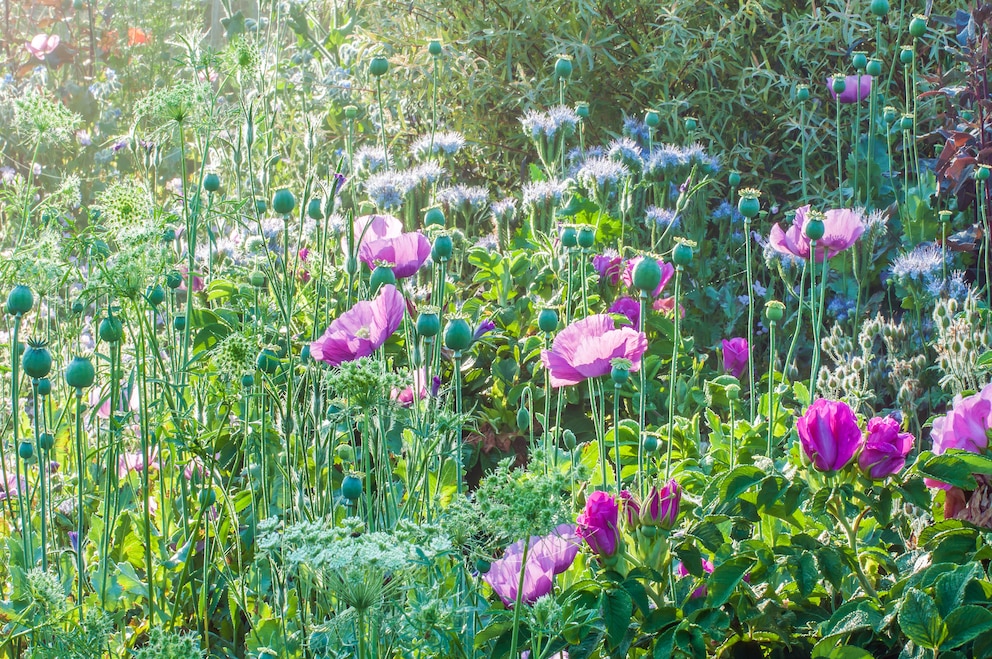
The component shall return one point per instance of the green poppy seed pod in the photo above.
(179, 323)
(879, 7)
(482, 566)
(211, 182)
(587, 237)
(267, 361)
(155, 295)
(457, 335)
(733, 392)
(874, 67)
(982, 173)
(350, 112)
(943, 217)
(381, 275)
(46, 441)
(650, 444)
(434, 48)
(652, 119)
(434, 217)
(918, 26)
(36, 360)
(260, 206)
(547, 320)
(314, 211)
(802, 93)
(345, 453)
(257, 279)
(906, 123)
(379, 66)
(305, 353)
(248, 381)
(442, 248)
(20, 300)
(77, 307)
(906, 55)
(647, 274)
(890, 114)
(563, 67)
(78, 4)
(774, 310)
(838, 84)
(859, 60)
(734, 179)
(691, 124)
(283, 201)
(569, 237)
(80, 374)
(428, 324)
(44, 386)
(619, 375)
(749, 206)
(25, 450)
(523, 419)
(174, 279)
(582, 110)
(351, 487)
(568, 438)
(814, 228)
(682, 255)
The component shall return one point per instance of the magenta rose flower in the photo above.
(361, 330)
(404, 253)
(661, 507)
(885, 450)
(856, 88)
(735, 356)
(585, 349)
(829, 434)
(598, 524)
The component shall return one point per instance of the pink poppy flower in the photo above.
(406, 252)
(369, 228)
(42, 45)
(134, 461)
(547, 556)
(585, 349)
(609, 265)
(841, 229)
(856, 88)
(361, 330)
(735, 356)
(627, 306)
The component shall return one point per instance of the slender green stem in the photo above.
(802, 153)
(752, 394)
(616, 434)
(817, 329)
(642, 406)
(673, 375)
(518, 603)
(382, 121)
(840, 166)
(852, 538)
(430, 151)
(733, 439)
(457, 376)
(42, 472)
(855, 146)
(81, 482)
(771, 383)
(15, 381)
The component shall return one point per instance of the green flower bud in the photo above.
(283, 202)
(378, 66)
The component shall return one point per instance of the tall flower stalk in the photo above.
(749, 206)
(681, 257)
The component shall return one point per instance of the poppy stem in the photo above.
(674, 373)
(771, 383)
(519, 599)
(616, 433)
(641, 408)
(750, 314)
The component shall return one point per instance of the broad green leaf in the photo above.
(617, 607)
(709, 534)
(739, 481)
(965, 624)
(920, 621)
(949, 589)
(726, 578)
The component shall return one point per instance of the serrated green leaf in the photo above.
(617, 608)
(709, 534)
(966, 623)
(920, 621)
(950, 587)
(725, 579)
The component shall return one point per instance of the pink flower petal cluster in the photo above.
(885, 449)
(682, 572)
(361, 330)
(42, 45)
(841, 229)
(585, 349)
(829, 434)
(547, 556)
(405, 253)
(369, 228)
(598, 523)
(856, 88)
(667, 272)
(966, 426)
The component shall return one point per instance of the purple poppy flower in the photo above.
(885, 450)
(667, 272)
(586, 348)
(547, 556)
(598, 524)
(627, 306)
(856, 88)
(369, 228)
(361, 330)
(735, 356)
(841, 229)
(609, 265)
(829, 434)
(406, 252)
